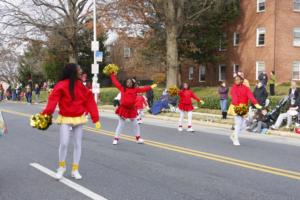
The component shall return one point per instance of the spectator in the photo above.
(272, 83)
(294, 103)
(8, 93)
(86, 83)
(262, 121)
(28, 94)
(260, 93)
(150, 97)
(1, 92)
(223, 92)
(37, 91)
(263, 78)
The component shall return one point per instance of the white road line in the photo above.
(69, 183)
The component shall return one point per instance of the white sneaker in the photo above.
(235, 140)
(76, 175)
(190, 130)
(140, 121)
(60, 173)
(115, 142)
(180, 129)
(140, 141)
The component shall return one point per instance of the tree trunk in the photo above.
(171, 43)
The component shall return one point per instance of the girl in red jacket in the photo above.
(73, 100)
(127, 108)
(140, 104)
(185, 106)
(241, 95)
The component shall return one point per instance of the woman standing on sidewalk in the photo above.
(127, 108)
(241, 95)
(223, 92)
(272, 83)
(185, 106)
(73, 99)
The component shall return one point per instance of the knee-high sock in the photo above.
(136, 127)
(64, 141)
(190, 118)
(181, 113)
(77, 140)
(120, 127)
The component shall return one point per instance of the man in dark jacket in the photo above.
(150, 97)
(263, 78)
(260, 93)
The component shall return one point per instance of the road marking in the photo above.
(219, 158)
(69, 183)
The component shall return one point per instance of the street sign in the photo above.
(96, 88)
(95, 46)
(95, 69)
(99, 56)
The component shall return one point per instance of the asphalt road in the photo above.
(170, 166)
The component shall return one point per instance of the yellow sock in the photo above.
(62, 164)
(75, 167)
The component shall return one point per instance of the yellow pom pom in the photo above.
(173, 90)
(40, 121)
(110, 69)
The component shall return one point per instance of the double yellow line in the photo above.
(209, 156)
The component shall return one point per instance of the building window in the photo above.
(222, 72)
(236, 39)
(202, 73)
(127, 52)
(260, 68)
(261, 5)
(296, 70)
(296, 5)
(260, 37)
(222, 45)
(236, 69)
(191, 72)
(296, 37)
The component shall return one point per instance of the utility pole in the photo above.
(95, 48)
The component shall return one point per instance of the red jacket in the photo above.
(127, 107)
(141, 102)
(84, 101)
(241, 94)
(185, 101)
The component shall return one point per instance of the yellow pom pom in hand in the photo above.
(110, 69)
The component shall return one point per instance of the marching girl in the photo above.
(185, 106)
(127, 108)
(73, 100)
(241, 95)
(140, 104)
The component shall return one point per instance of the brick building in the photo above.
(265, 37)
(124, 52)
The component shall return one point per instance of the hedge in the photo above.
(107, 96)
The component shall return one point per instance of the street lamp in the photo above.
(95, 49)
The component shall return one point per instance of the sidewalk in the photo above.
(204, 119)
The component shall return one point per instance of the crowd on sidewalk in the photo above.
(23, 92)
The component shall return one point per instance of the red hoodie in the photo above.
(68, 107)
(127, 107)
(185, 101)
(241, 94)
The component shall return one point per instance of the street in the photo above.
(169, 166)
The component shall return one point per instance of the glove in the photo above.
(258, 106)
(98, 125)
(153, 86)
(202, 102)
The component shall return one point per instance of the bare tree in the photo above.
(37, 19)
(8, 66)
(168, 16)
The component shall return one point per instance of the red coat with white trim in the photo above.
(241, 94)
(141, 102)
(68, 107)
(185, 101)
(127, 108)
